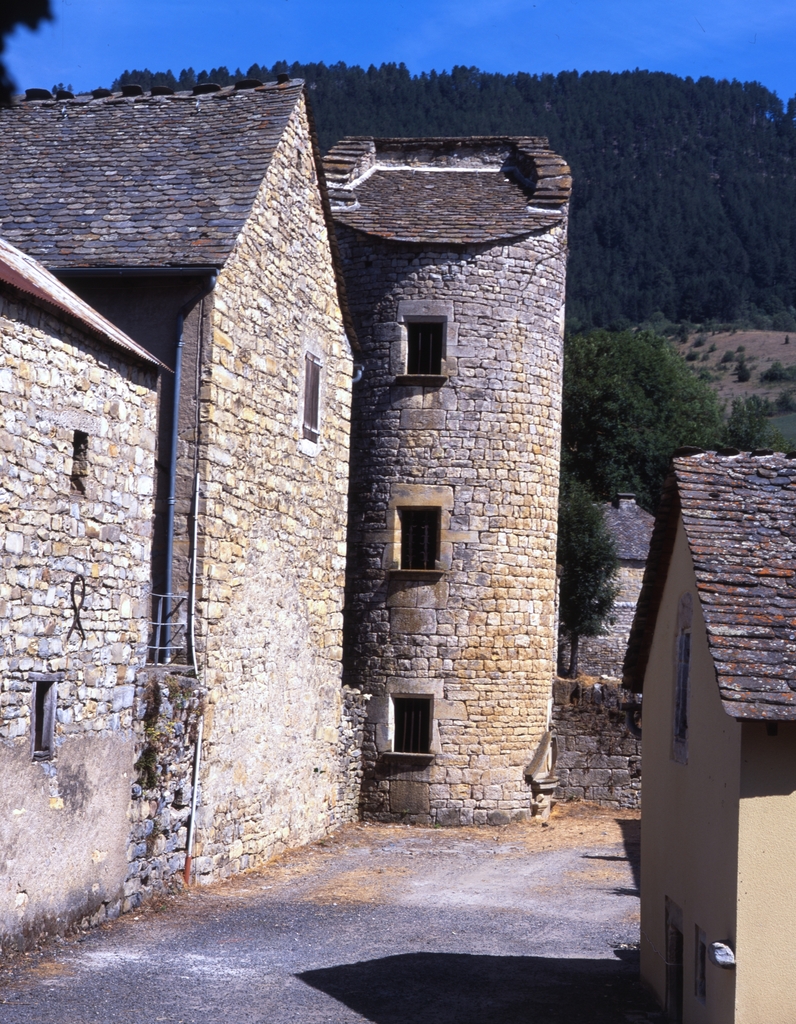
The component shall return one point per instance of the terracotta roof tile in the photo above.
(739, 515)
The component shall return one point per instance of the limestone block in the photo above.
(409, 797)
(413, 621)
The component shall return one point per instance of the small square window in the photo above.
(45, 695)
(79, 474)
(412, 725)
(419, 537)
(312, 397)
(424, 348)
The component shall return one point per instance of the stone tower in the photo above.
(454, 255)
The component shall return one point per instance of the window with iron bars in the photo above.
(312, 397)
(412, 725)
(419, 537)
(424, 348)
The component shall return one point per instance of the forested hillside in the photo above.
(684, 195)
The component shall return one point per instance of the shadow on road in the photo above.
(631, 838)
(451, 988)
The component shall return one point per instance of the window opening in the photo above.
(419, 537)
(682, 680)
(674, 961)
(412, 724)
(700, 965)
(312, 397)
(43, 725)
(424, 348)
(79, 462)
(681, 698)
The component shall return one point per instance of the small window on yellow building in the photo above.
(682, 684)
(700, 964)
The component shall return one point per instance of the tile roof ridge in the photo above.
(116, 97)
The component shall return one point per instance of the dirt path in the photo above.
(387, 924)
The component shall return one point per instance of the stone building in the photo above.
(77, 454)
(197, 223)
(454, 254)
(201, 226)
(631, 528)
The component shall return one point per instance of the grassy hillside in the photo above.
(684, 200)
(768, 356)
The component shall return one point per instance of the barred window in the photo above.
(419, 537)
(424, 348)
(412, 725)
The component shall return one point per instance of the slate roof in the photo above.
(739, 515)
(630, 526)
(137, 181)
(24, 275)
(447, 190)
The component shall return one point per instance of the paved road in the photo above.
(386, 924)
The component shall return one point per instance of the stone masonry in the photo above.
(69, 730)
(207, 222)
(631, 528)
(599, 760)
(479, 443)
(272, 532)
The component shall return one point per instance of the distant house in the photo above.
(78, 399)
(631, 528)
(713, 647)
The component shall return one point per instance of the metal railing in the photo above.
(168, 628)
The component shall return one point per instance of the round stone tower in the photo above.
(454, 257)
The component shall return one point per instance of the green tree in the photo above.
(685, 191)
(629, 401)
(588, 568)
(747, 426)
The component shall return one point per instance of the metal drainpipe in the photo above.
(175, 430)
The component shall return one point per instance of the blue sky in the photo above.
(92, 41)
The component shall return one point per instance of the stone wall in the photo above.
(604, 655)
(63, 820)
(279, 755)
(482, 446)
(169, 703)
(598, 758)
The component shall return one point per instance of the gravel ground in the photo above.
(388, 924)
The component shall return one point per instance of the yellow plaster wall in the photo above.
(689, 811)
(766, 944)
